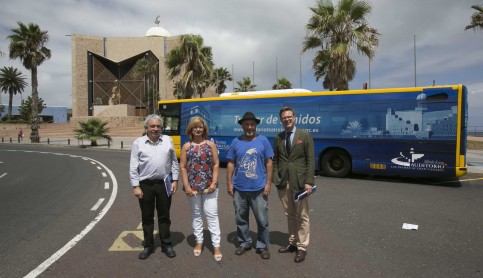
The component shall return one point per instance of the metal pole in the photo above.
(253, 73)
(300, 69)
(415, 61)
(369, 73)
(276, 68)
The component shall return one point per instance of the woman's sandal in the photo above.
(218, 257)
(197, 252)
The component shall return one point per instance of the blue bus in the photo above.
(407, 132)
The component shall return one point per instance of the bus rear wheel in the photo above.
(336, 163)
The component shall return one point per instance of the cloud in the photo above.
(263, 39)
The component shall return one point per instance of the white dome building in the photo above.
(157, 32)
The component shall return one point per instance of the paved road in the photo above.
(46, 198)
(356, 229)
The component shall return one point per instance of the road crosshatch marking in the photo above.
(129, 240)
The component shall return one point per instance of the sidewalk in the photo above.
(117, 143)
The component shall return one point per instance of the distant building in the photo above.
(102, 73)
(52, 114)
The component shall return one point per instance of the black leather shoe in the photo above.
(288, 249)
(169, 251)
(242, 250)
(300, 256)
(146, 252)
(264, 253)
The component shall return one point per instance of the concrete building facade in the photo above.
(88, 80)
(102, 75)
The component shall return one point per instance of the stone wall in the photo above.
(475, 144)
(80, 46)
(123, 121)
(119, 110)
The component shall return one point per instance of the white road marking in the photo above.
(106, 185)
(104, 174)
(43, 266)
(3, 175)
(98, 204)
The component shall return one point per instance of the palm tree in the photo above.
(178, 90)
(147, 68)
(11, 82)
(245, 85)
(281, 84)
(27, 43)
(93, 129)
(192, 63)
(476, 18)
(333, 31)
(221, 75)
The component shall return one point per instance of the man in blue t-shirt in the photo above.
(249, 177)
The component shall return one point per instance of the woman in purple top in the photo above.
(199, 167)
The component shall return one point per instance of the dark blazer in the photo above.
(297, 168)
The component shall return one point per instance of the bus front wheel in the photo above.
(336, 163)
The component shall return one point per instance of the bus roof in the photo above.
(302, 92)
(252, 93)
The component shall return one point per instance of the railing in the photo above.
(475, 131)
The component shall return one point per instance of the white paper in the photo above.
(407, 226)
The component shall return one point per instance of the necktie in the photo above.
(288, 144)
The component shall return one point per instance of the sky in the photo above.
(421, 43)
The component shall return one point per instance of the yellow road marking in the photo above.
(120, 245)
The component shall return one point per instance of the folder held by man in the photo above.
(303, 193)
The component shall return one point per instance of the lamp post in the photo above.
(415, 61)
(300, 69)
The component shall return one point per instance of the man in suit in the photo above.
(293, 170)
